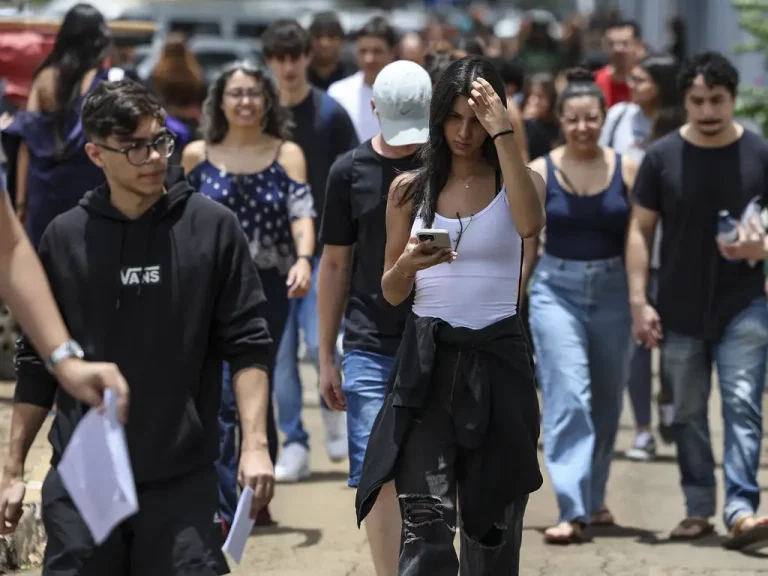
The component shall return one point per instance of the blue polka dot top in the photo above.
(266, 203)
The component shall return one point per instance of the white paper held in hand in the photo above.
(241, 528)
(96, 471)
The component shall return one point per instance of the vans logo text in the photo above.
(139, 275)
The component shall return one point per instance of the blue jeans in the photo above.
(288, 390)
(581, 325)
(365, 387)
(640, 373)
(740, 357)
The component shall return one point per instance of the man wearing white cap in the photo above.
(353, 234)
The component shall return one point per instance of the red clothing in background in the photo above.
(20, 55)
(613, 91)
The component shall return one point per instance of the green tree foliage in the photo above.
(753, 18)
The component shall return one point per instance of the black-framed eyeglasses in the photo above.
(461, 229)
(139, 153)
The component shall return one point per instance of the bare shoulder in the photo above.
(43, 90)
(193, 154)
(538, 168)
(195, 150)
(538, 179)
(291, 158)
(629, 168)
(400, 189)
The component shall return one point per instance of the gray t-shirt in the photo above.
(628, 131)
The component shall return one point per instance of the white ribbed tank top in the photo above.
(480, 287)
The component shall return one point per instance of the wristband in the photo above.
(502, 133)
(309, 259)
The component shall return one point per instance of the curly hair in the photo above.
(277, 120)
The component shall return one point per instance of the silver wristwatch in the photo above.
(69, 349)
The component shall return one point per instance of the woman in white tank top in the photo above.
(461, 415)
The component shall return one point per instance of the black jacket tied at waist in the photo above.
(494, 408)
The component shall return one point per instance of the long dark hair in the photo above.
(277, 120)
(429, 180)
(81, 45)
(664, 71)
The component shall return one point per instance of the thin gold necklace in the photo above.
(466, 182)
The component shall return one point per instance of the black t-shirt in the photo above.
(324, 131)
(355, 214)
(343, 70)
(699, 291)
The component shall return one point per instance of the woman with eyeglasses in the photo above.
(461, 417)
(579, 308)
(655, 110)
(247, 163)
(49, 170)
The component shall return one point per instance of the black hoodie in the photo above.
(166, 297)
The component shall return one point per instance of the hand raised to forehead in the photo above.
(488, 107)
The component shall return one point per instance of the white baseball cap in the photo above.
(401, 93)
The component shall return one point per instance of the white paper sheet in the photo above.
(96, 471)
(241, 528)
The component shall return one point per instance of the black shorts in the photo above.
(172, 534)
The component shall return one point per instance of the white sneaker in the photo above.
(293, 464)
(335, 424)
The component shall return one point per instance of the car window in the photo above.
(211, 60)
(195, 27)
(250, 29)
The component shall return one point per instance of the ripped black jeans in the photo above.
(427, 486)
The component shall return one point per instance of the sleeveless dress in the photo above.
(266, 203)
(56, 181)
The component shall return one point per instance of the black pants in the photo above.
(426, 485)
(172, 534)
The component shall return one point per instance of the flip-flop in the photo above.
(576, 537)
(705, 528)
(741, 538)
(601, 518)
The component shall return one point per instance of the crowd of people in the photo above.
(450, 228)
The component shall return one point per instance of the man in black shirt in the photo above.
(324, 131)
(328, 64)
(353, 234)
(711, 301)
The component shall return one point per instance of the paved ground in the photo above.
(317, 534)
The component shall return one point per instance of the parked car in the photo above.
(226, 19)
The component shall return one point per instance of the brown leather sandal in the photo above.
(691, 529)
(744, 537)
(603, 517)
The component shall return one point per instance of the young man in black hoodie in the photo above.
(158, 280)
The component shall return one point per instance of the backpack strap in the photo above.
(615, 125)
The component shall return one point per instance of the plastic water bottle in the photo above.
(727, 231)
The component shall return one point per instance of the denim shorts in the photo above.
(365, 386)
